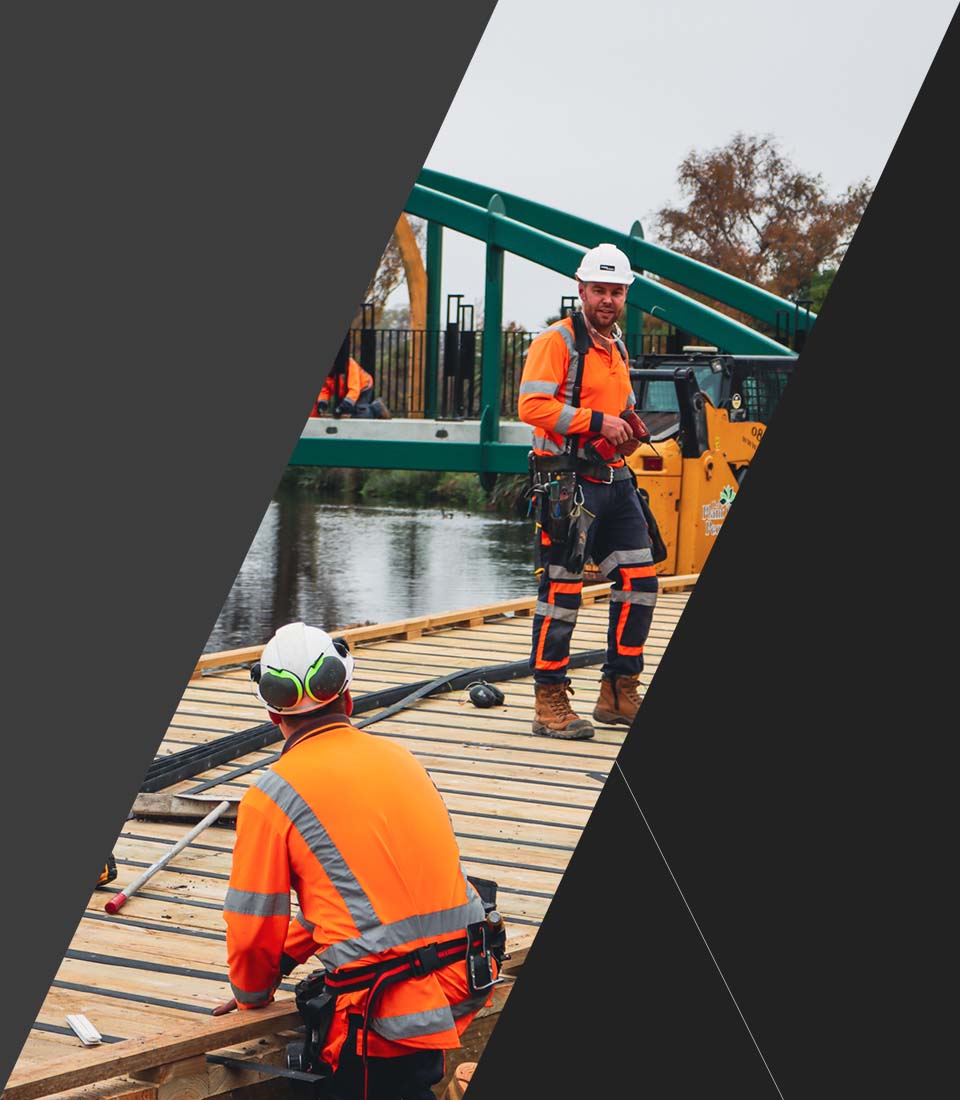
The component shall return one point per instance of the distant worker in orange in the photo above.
(355, 827)
(349, 389)
(576, 394)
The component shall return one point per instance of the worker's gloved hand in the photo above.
(321, 408)
(346, 407)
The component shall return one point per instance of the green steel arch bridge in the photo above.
(556, 241)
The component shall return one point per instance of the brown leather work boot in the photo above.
(554, 717)
(619, 701)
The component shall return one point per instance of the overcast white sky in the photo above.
(590, 107)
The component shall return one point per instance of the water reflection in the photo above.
(343, 564)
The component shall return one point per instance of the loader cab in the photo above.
(747, 387)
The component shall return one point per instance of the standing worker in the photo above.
(356, 827)
(349, 388)
(576, 394)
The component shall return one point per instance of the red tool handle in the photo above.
(115, 903)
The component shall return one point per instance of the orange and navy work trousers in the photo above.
(619, 543)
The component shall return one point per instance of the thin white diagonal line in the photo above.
(699, 929)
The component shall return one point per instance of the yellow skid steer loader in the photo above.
(706, 414)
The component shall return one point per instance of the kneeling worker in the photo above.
(349, 389)
(353, 824)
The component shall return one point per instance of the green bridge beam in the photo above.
(558, 255)
(643, 255)
(387, 454)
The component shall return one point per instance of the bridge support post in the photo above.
(635, 315)
(432, 334)
(491, 361)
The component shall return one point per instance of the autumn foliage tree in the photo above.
(752, 213)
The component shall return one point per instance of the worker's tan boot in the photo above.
(619, 701)
(554, 717)
(462, 1076)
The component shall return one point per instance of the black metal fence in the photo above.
(437, 373)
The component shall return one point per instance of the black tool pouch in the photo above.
(657, 545)
(557, 505)
(489, 935)
(316, 1005)
(576, 543)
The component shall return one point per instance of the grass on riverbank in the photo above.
(411, 487)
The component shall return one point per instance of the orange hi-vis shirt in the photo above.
(546, 388)
(354, 825)
(351, 384)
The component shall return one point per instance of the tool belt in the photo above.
(545, 465)
(417, 964)
(317, 994)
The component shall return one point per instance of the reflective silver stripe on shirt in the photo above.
(539, 387)
(414, 1023)
(551, 611)
(430, 926)
(471, 1004)
(315, 836)
(647, 599)
(566, 394)
(565, 419)
(304, 923)
(243, 997)
(541, 443)
(558, 573)
(253, 904)
(626, 557)
(472, 894)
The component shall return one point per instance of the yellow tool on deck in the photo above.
(706, 413)
(109, 872)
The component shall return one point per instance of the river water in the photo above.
(340, 565)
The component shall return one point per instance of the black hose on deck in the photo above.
(167, 770)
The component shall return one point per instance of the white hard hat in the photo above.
(605, 264)
(301, 669)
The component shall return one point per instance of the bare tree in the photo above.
(392, 270)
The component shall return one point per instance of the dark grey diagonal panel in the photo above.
(196, 196)
(774, 914)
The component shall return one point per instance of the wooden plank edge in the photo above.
(415, 627)
(93, 1064)
(210, 1080)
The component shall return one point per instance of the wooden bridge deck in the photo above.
(518, 803)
